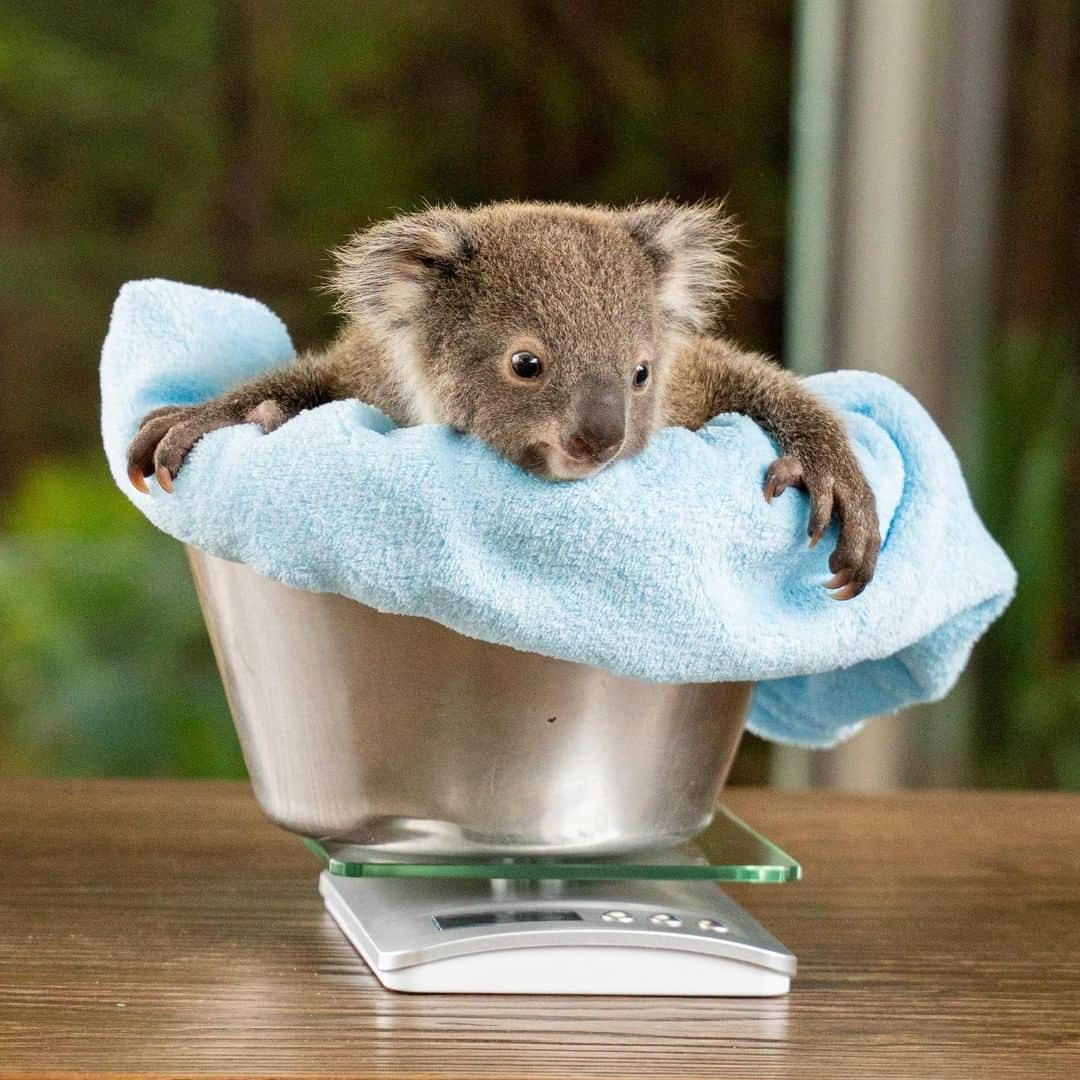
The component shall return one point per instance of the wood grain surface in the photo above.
(166, 929)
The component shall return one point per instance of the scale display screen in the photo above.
(496, 918)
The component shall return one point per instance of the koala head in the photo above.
(548, 331)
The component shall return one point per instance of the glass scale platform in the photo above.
(654, 923)
(729, 850)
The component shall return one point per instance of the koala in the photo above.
(564, 337)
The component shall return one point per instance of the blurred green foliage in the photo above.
(106, 668)
(1029, 734)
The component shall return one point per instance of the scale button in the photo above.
(617, 916)
(713, 925)
(662, 918)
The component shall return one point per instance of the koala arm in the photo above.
(353, 367)
(713, 376)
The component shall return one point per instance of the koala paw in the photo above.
(166, 436)
(845, 495)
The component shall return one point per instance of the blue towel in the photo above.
(668, 567)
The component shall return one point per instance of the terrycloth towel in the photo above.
(667, 567)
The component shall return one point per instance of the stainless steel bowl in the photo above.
(396, 733)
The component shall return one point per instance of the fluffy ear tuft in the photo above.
(383, 272)
(690, 248)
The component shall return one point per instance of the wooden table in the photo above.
(165, 928)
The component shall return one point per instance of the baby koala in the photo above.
(564, 337)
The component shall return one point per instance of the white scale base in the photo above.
(475, 936)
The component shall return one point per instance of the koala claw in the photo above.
(851, 502)
(783, 473)
(849, 592)
(164, 439)
(855, 557)
(138, 481)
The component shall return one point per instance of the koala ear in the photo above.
(690, 249)
(383, 273)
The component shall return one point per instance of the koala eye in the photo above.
(641, 376)
(526, 365)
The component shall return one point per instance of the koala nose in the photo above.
(601, 427)
(593, 445)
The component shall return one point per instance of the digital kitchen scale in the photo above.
(650, 924)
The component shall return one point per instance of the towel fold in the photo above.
(668, 567)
